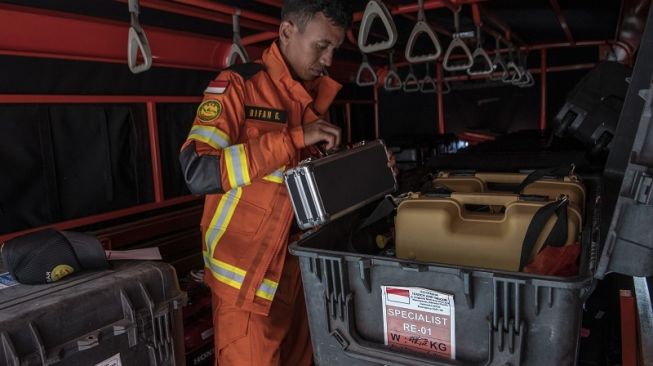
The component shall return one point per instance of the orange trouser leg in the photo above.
(280, 339)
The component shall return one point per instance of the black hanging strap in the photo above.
(560, 171)
(383, 209)
(558, 235)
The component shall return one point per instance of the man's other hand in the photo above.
(322, 130)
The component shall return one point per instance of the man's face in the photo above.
(310, 51)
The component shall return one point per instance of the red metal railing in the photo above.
(77, 37)
(441, 79)
(155, 156)
(93, 219)
(543, 66)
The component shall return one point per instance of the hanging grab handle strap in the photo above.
(137, 40)
(446, 87)
(375, 9)
(428, 85)
(497, 63)
(480, 56)
(514, 73)
(237, 50)
(365, 66)
(527, 79)
(422, 27)
(411, 84)
(392, 80)
(457, 42)
(528, 82)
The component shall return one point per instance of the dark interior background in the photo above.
(69, 161)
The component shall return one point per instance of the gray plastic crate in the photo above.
(502, 318)
(132, 312)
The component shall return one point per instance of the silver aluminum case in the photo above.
(308, 189)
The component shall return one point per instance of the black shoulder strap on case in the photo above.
(558, 235)
(560, 171)
(383, 209)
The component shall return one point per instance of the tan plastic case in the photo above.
(570, 186)
(443, 230)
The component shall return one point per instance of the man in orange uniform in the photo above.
(253, 123)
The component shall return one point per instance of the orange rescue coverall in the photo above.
(247, 131)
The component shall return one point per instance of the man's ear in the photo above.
(286, 30)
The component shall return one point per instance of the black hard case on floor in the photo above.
(133, 311)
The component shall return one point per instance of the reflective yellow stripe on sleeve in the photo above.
(267, 289)
(226, 273)
(221, 219)
(210, 136)
(276, 176)
(234, 277)
(237, 168)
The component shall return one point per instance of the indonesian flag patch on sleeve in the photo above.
(217, 87)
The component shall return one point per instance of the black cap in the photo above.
(48, 255)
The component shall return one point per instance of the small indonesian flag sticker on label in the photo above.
(399, 295)
(217, 87)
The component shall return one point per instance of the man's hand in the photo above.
(321, 130)
(392, 163)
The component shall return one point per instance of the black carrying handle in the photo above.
(387, 206)
(383, 209)
(558, 235)
(559, 171)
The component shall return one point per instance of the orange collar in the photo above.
(321, 91)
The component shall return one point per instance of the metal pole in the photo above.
(377, 133)
(153, 130)
(440, 100)
(543, 89)
(348, 121)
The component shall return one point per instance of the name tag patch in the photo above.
(265, 114)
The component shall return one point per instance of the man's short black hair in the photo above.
(301, 11)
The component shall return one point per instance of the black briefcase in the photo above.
(326, 188)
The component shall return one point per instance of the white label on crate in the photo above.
(207, 333)
(419, 320)
(111, 361)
